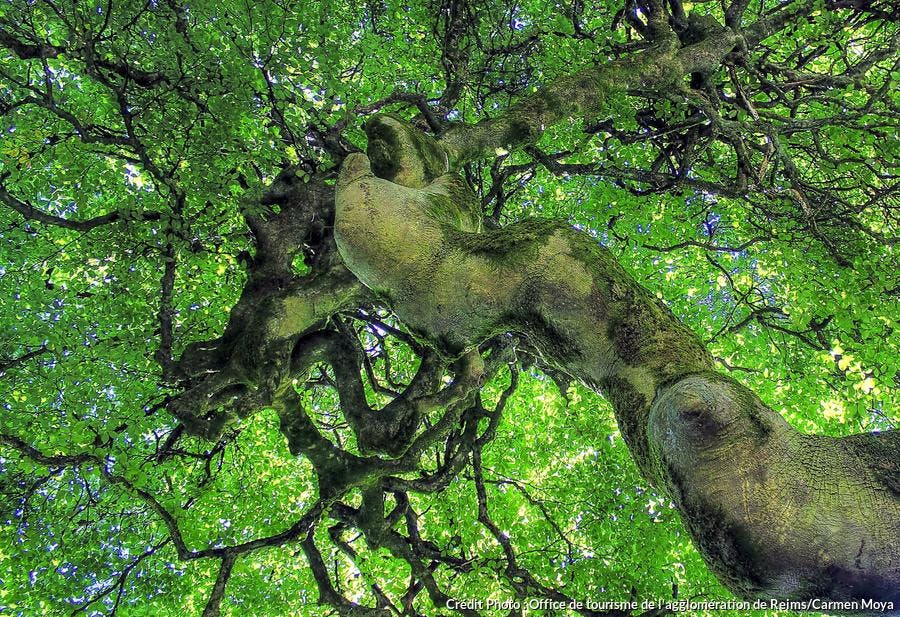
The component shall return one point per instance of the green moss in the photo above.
(882, 452)
(644, 331)
(382, 153)
(522, 239)
(396, 148)
(631, 409)
(452, 201)
(519, 128)
(554, 343)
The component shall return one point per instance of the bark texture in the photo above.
(240, 372)
(776, 514)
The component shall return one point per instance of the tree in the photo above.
(306, 305)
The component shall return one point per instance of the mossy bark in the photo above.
(774, 513)
(239, 373)
(585, 95)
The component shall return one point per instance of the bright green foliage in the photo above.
(178, 115)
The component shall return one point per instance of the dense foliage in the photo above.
(760, 200)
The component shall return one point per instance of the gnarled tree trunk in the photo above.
(776, 514)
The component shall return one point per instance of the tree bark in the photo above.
(775, 514)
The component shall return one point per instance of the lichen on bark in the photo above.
(774, 513)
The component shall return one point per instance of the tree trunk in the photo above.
(776, 514)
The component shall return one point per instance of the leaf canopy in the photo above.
(760, 201)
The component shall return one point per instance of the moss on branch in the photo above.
(775, 513)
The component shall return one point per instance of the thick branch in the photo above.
(775, 513)
(584, 95)
(240, 372)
